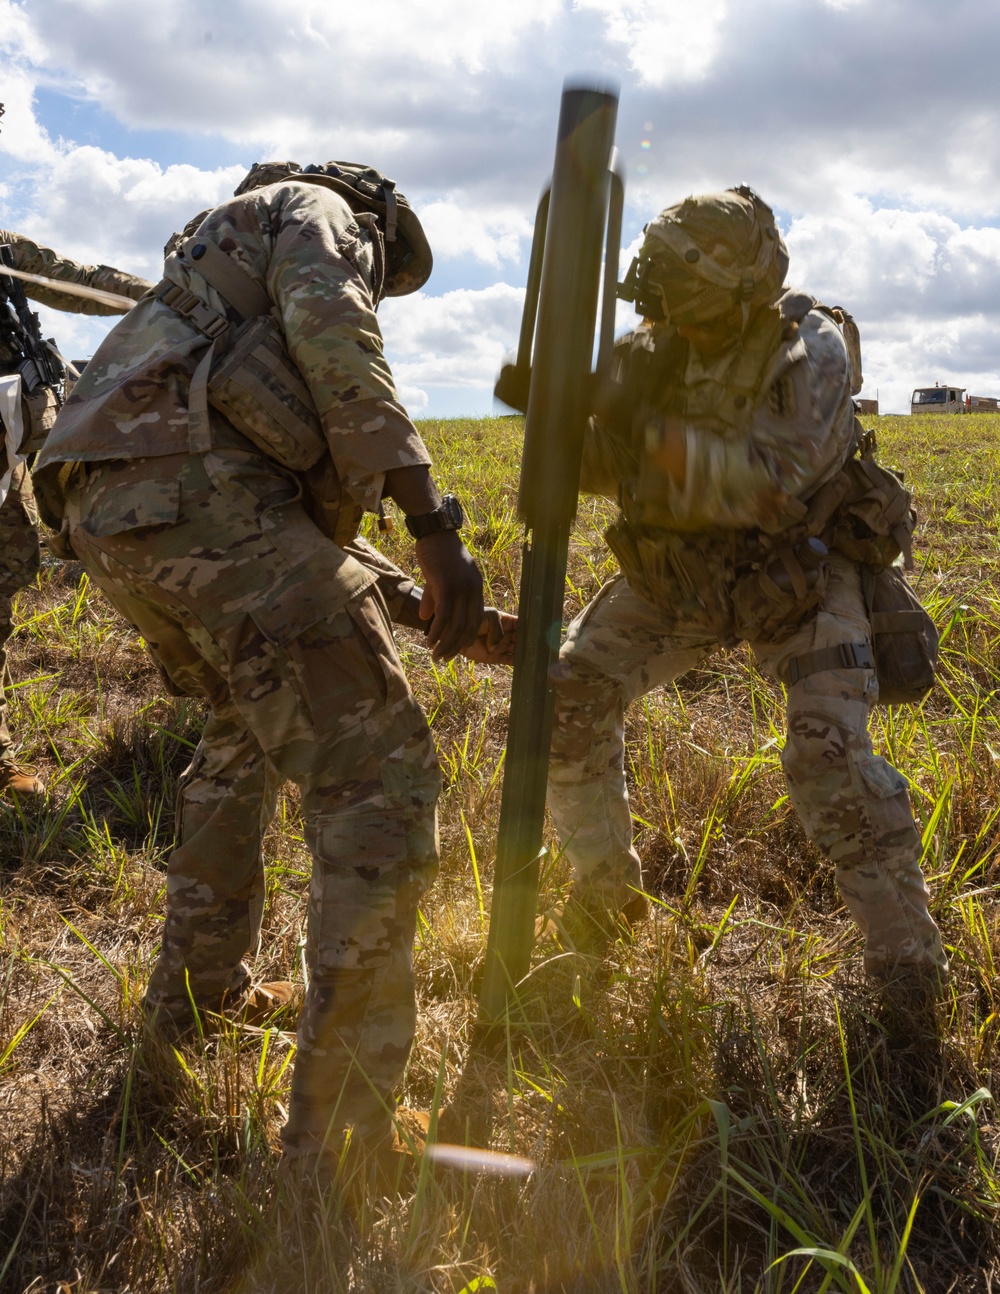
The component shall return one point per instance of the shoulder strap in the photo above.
(222, 273)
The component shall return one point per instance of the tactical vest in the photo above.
(737, 584)
(249, 377)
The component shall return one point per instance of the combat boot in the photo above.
(20, 779)
(361, 1171)
(586, 923)
(276, 1003)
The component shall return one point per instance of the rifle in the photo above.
(23, 350)
(560, 310)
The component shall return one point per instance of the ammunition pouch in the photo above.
(875, 520)
(51, 486)
(607, 461)
(722, 582)
(686, 577)
(252, 381)
(255, 385)
(257, 388)
(335, 513)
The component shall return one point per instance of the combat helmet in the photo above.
(408, 254)
(705, 256)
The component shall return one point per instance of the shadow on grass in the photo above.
(120, 795)
(144, 1166)
(851, 1141)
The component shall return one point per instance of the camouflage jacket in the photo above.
(33, 258)
(303, 246)
(743, 472)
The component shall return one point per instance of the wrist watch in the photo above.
(447, 516)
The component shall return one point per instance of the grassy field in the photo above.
(722, 1103)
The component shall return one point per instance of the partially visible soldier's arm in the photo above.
(319, 275)
(38, 259)
(497, 636)
(795, 440)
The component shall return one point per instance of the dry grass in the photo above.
(720, 1104)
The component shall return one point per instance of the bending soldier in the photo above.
(40, 399)
(243, 576)
(734, 411)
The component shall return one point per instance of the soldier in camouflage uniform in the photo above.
(205, 545)
(733, 412)
(19, 554)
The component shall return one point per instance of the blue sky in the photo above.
(871, 126)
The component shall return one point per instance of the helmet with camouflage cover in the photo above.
(408, 254)
(707, 256)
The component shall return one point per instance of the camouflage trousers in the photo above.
(243, 601)
(19, 563)
(853, 804)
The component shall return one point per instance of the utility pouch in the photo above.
(257, 388)
(770, 603)
(875, 522)
(253, 381)
(323, 498)
(685, 578)
(904, 639)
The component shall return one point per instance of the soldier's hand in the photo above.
(496, 640)
(666, 446)
(453, 593)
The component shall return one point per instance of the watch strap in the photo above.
(447, 516)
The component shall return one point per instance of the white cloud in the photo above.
(893, 263)
(23, 138)
(666, 43)
(924, 291)
(963, 351)
(454, 340)
(460, 228)
(98, 207)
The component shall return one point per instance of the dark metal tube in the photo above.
(533, 286)
(612, 246)
(558, 407)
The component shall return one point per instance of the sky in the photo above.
(870, 126)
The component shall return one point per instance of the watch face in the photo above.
(446, 516)
(451, 512)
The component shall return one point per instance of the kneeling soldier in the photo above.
(726, 444)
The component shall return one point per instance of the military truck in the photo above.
(951, 399)
(938, 399)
